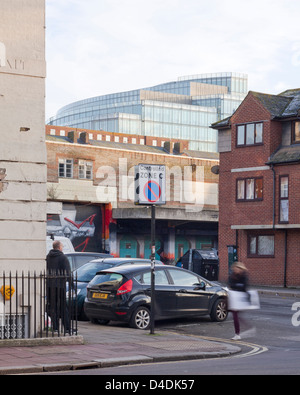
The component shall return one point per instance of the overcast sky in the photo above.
(96, 47)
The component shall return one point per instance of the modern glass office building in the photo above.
(182, 109)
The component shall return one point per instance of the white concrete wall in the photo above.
(22, 142)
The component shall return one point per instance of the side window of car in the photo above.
(147, 278)
(182, 278)
(70, 259)
(160, 278)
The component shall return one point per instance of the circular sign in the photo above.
(152, 191)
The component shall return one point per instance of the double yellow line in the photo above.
(255, 348)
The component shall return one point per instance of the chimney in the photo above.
(178, 148)
(167, 146)
(84, 138)
(71, 136)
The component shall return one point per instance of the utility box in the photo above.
(203, 262)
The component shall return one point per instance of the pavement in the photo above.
(98, 346)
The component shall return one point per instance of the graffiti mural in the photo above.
(82, 224)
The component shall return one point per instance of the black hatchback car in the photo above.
(124, 294)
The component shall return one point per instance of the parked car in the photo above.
(78, 259)
(124, 294)
(88, 271)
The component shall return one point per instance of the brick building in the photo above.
(91, 193)
(259, 188)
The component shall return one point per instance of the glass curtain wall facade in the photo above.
(182, 109)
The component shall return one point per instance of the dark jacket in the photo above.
(238, 282)
(58, 263)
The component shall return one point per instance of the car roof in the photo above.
(124, 260)
(126, 269)
(130, 269)
(136, 269)
(100, 254)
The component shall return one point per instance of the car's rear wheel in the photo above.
(219, 311)
(141, 318)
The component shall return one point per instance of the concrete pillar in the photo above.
(169, 248)
(23, 169)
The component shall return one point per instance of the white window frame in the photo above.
(85, 169)
(65, 168)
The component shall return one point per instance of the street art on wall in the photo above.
(82, 224)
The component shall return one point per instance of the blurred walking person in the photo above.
(239, 282)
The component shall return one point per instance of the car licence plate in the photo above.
(98, 295)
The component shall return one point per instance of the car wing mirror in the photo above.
(200, 286)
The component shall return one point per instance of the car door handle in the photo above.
(183, 291)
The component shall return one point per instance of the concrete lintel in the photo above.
(166, 214)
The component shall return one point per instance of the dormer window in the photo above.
(296, 132)
(250, 134)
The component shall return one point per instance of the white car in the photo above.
(68, 246)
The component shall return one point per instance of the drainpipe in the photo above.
(285, 258)
(274, 194)
(286, 233)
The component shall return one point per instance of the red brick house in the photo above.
(259, 188)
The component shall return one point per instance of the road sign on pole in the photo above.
(150, 184)
(150, 190)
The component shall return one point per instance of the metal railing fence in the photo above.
(37, 305)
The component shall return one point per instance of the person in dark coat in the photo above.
(57, 262)
(58, 271)
(239, 281)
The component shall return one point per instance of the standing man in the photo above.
(58, 269)
(57, 262)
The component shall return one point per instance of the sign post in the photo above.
(150, 190)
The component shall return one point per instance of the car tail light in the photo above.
(125, 288)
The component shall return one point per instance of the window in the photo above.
(261, 246)
(250, 134)
(296, 132)
(284, 199)
(85, 170)
(183, 278)
(65, 168)
(160, 278)
(249, 189)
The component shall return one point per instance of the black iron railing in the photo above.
(37, 305)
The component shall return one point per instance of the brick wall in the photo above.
(101, 135)
(258, 214)
(110, 160)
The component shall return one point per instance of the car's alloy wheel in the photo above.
(141, 318)
(219, 312)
